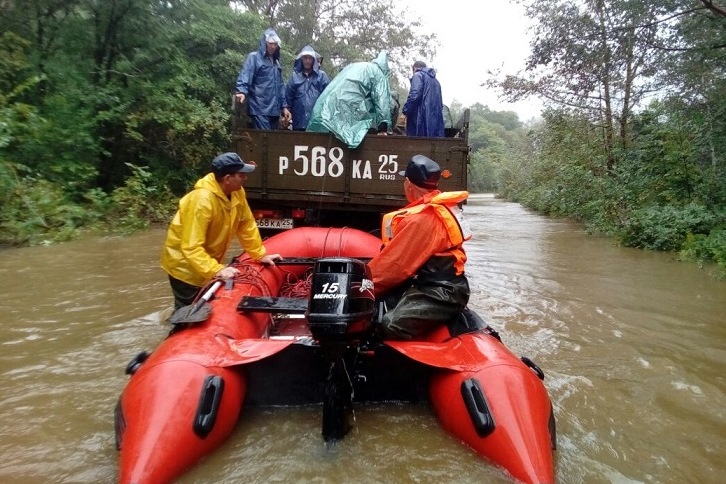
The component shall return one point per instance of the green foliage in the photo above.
(652, 176)
(60, 146)
(16, 117)
(140, 202)
(709, 248)
(494, 136)
(38, 211)
(661, 162)
(13, 65)
(665, 227)
(559, 173)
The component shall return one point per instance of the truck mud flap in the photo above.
(477, 406)
(209, 399)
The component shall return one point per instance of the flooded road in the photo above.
(633, 345)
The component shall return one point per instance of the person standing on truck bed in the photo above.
(424, 107)
(306, 83)
(356, 100)
(202, 229)
(422, 256)
(260, 83)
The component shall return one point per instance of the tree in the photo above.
(696, 68)
(494, 137)
(593, 57)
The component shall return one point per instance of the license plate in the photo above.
(274, 223)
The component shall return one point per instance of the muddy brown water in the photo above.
(633, 345)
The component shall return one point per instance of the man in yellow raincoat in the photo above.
(202, 229)
(423, 257)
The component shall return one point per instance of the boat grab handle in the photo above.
(209, 399)
(476, 405)
(536, 369)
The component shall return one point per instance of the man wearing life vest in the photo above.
(422, 256)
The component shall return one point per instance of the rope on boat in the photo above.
(251, 275)
(294, 287)
(298, 288)
(340, 241)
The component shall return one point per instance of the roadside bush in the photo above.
(36, 211)
(707, 248)
(141, 202)
(665, 227)
(40, 213)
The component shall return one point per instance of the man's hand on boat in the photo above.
(227, 273)
(230, 272)
(269, 259)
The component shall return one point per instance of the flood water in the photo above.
(633, 345)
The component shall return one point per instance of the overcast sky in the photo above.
(475, 36)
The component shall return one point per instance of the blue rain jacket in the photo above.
(303, 90)
(357, 99)
(260, 80)
(424, 107)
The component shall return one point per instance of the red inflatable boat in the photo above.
(304, 332)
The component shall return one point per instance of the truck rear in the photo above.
(313, 179)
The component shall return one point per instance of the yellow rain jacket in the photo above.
(202, 229)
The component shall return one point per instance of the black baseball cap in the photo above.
(228, 163)
(423, 172)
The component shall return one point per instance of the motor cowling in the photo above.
(342, 302)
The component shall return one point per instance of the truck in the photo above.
(314, 179)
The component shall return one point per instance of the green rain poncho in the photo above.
(359, 98)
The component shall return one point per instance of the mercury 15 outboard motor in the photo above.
(342, 303)
(340, 313)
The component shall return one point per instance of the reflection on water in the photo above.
(632, 343)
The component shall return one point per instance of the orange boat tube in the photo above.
(184, 400)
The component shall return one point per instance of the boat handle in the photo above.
(209, 400)
(536, 369)
(476, 405)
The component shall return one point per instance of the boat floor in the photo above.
(296, 375)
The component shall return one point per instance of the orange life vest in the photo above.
(446, 207)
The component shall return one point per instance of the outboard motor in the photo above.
(340, 311)
(342, 303)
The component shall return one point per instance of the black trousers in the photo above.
(184, 294)
(423, 307)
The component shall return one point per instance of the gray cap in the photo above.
(228, 163)
(423, 172)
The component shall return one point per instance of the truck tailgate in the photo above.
(317, 167)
